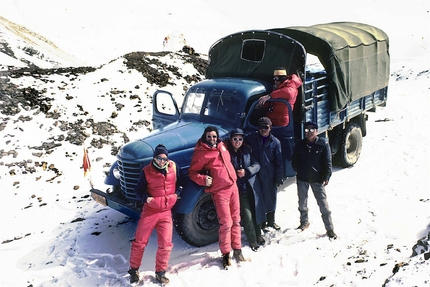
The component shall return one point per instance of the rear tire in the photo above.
(199, 227)
(350, 148)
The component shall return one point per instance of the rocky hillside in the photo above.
(61, 101)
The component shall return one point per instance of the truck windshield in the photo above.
(193, 103)
(214, 104)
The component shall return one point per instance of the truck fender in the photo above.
(190, 195)
(110, 178)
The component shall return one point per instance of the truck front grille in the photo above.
(130, 173)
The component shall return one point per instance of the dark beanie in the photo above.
(311, 124)
(159, 149)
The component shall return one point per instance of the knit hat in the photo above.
(311, 124)
(265, 121)
(236, 131)
(160, 149)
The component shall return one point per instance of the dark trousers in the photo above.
(247, 216)
(321, 197)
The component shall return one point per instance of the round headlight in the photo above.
(116, 173)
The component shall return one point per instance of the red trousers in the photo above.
(162, 222)
(227, 206)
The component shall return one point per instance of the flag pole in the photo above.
(87, 166)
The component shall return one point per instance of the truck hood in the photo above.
(177, 137)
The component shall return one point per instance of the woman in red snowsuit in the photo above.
(157, 189)
(211, 167)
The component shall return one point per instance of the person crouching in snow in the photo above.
(211, 167)
(157, 188)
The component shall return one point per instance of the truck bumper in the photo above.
(116, 203)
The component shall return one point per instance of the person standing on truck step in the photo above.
(211, 167)
(267, 149)
(285, 87)
(157, 188)
(312, 162)
(252, 212)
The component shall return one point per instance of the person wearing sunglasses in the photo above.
(157, 187)
(285, 87)
(267, 150)
(312, 162)
(211, 168)
(252, 212)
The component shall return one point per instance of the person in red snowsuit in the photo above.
(211, 167)
(285, 87)
(156, 187)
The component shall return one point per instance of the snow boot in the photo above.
(134, 275)
(303, 226)
(161, 277)
(226, 260)
(237, 254)
(331, 234)
(274, 226)
(260, 240)
(254, 246)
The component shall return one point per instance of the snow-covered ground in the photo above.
(54, 234)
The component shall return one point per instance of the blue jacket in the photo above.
(269, 155)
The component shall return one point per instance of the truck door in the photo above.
(164, 109)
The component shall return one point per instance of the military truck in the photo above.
(344, 67)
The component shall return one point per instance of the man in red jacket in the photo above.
(211, 167)
(157, 189)
(285, 87)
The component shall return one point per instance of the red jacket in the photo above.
(215, 162)
(161, 187)
(287, 90)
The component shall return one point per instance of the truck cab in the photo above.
(347, 78)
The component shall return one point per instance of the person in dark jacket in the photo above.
(157, 188)
(267, 150)
(312, 162)
(252, 212)
(211, 167)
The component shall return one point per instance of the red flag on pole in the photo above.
(87, 163)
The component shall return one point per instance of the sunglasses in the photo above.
(279, 78)
(238, 139)
(263, 127)
(161, 158)
(310, 130)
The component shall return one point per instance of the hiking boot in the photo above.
(161, 277)
(237, 254)
(331, 234)
(260, 240)
(226, 260)
(134, 275)
(254, 246)
(303, 226)
(274, 226)
(264, 228)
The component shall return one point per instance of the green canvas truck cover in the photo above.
(355, 56)
(254, 55)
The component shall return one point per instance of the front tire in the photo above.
(350, 149)
(199, 227)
